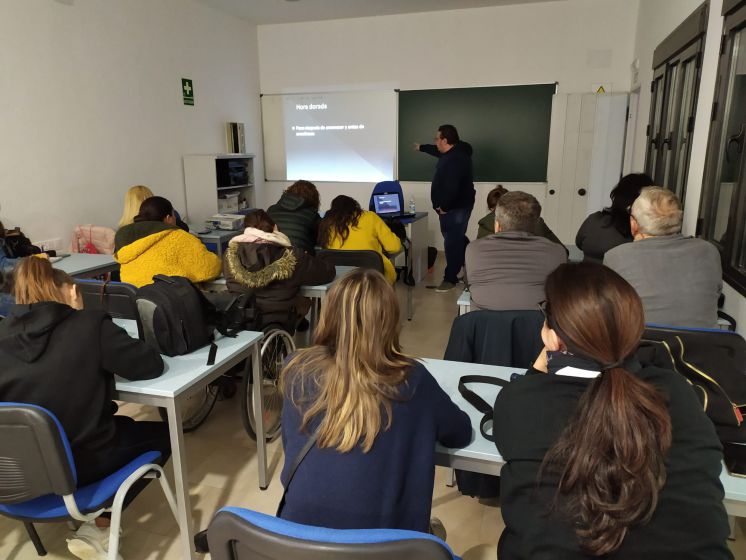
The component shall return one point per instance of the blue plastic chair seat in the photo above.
(88, 498)
(323, 534)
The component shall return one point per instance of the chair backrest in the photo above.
(101, 237)
(240, 534)
(116, 298)
(36, 458)
(498, 338)
(362, 259)
(387, 187)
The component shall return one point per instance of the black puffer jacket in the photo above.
(296, 218)
(274, 274)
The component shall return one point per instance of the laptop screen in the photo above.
(386, 203)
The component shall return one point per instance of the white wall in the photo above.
(91, 103)
(577, 43)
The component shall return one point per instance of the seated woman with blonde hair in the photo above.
(348, 227)
(376, 415)
(605, 457)
(56, 355)
(153, 244)
(132, 201)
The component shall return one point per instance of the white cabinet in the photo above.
(585, 159)
(213, 181)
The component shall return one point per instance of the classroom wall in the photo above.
(578, 43)
(92, 103)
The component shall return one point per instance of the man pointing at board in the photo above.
(452, 194)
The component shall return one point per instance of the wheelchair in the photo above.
(276, 345)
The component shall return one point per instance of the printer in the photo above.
(229, 222)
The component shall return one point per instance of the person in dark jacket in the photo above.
(608, 228)
(55, 355)
(263, 262)
(487, 223)
(297, 214)
(376, 413)
(452, 194)
(605, 457)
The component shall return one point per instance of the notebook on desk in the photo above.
(387, 205)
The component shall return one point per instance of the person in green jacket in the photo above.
(487, 224)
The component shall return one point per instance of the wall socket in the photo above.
(49, 244)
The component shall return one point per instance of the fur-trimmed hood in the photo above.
(256, 265)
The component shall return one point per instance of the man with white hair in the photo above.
(678, 278)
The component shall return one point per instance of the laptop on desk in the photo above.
(387, 206)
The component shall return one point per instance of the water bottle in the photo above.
(411, 204)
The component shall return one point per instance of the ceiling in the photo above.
(263, 12)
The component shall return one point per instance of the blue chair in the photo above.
(38, 480)
(387, 187)
(242, 534)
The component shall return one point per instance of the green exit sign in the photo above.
(187, 89)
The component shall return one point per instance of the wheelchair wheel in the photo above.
(276, 346)
(196, 408)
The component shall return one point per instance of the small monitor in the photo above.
(386, 203)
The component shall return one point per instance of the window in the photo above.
(723, 204)
(676, 64)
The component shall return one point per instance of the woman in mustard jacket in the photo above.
(153, 244)
(346, 226)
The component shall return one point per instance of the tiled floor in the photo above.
(222, 471)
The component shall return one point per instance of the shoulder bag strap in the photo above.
(478, 402)
(294, 467)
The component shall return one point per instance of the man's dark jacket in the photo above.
(453, 182)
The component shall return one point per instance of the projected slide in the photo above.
(338, 136)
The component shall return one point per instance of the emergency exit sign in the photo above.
(187, 89)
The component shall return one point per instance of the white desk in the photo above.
(418, 236)
(83, 265)
(481, 456)
(464, 302)
(183, 376)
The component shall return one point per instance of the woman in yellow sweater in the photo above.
(153, 244)
(346, 226)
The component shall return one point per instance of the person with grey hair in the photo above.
(678, 277)
(506, 270)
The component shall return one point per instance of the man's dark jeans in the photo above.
(453, 226)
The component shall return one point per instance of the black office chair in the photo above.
(242, 534)
(362, 259)
(496, 338)
(116, 298)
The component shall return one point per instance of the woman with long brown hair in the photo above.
(347, 226)
(605, 457)
(376, 415)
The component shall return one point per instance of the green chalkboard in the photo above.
(507, 126)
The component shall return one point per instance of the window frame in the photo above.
(683, 46)
(734, 24)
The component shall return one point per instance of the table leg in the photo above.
(261, 440)
(181, 479)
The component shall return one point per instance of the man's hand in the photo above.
(440, 211)
(416, 147)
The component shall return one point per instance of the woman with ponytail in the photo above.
(604, 457)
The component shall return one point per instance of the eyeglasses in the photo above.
(543, 307)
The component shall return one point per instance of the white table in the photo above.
(184, 376)
(464, 302)
(481, 456)
(83, 265)
(418, 235)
